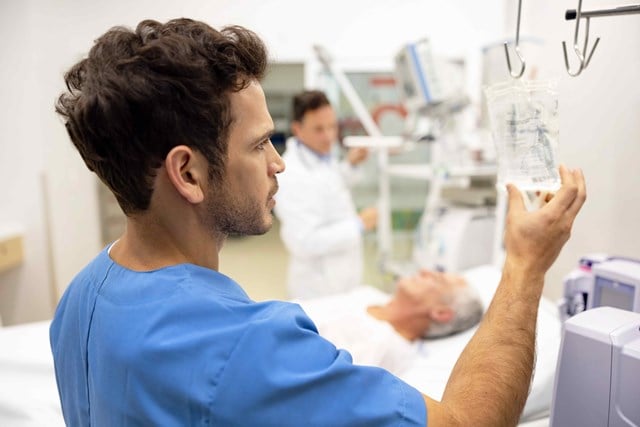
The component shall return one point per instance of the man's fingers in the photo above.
(582, 191)
(567, 194)
(543, 198)
(566, 176)
(516, 201)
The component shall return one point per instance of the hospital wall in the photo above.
(49, 192)
(599, 124)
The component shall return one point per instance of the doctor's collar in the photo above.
(322, 157)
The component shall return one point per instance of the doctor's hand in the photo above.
(357, 155)
(369, 218)
(534, 239)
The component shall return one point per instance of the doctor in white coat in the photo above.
(320, 226)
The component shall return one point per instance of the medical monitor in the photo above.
(416, 75)
(426, 80)
(617, 284)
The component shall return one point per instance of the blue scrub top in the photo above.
(184, 345)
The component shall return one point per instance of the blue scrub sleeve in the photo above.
(282, 373)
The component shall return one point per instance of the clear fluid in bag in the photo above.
(524, 117)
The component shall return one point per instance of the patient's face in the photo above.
(429, 288)
(420, 300)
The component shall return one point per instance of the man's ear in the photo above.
(187, 171)
(295, 127)
(442, 314)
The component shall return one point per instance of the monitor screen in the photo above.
(612, 294)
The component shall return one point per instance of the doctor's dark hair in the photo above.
(308, 101)
(140, 93)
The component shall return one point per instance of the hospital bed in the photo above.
(28, 393)
(29, 398)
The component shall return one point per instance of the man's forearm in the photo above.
(490, 382)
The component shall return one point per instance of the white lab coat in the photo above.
(319, 224)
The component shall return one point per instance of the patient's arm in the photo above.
(490, 382)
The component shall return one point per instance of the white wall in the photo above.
(25, 292)
(600, 125)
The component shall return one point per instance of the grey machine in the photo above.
(597, 379)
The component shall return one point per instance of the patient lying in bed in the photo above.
(371, 326)
(378, 329)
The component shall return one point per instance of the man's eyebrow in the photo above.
(268, 134)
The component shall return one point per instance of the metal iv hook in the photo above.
(517, 74)
(581, 53)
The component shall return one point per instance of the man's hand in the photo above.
(357, 155)
(369, 217)
(533, 240)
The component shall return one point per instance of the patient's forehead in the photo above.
(430, 287)
(448, 280)
(454, 279)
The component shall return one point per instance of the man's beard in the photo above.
(235, 215)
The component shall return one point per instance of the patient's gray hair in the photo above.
(467, 312)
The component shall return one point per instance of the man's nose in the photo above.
(329, 133)
(426, 273)
(276, 164)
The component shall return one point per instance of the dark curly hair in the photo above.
(140, 93)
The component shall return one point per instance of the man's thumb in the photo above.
(516, 201)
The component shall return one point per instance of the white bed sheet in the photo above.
(28, 393)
